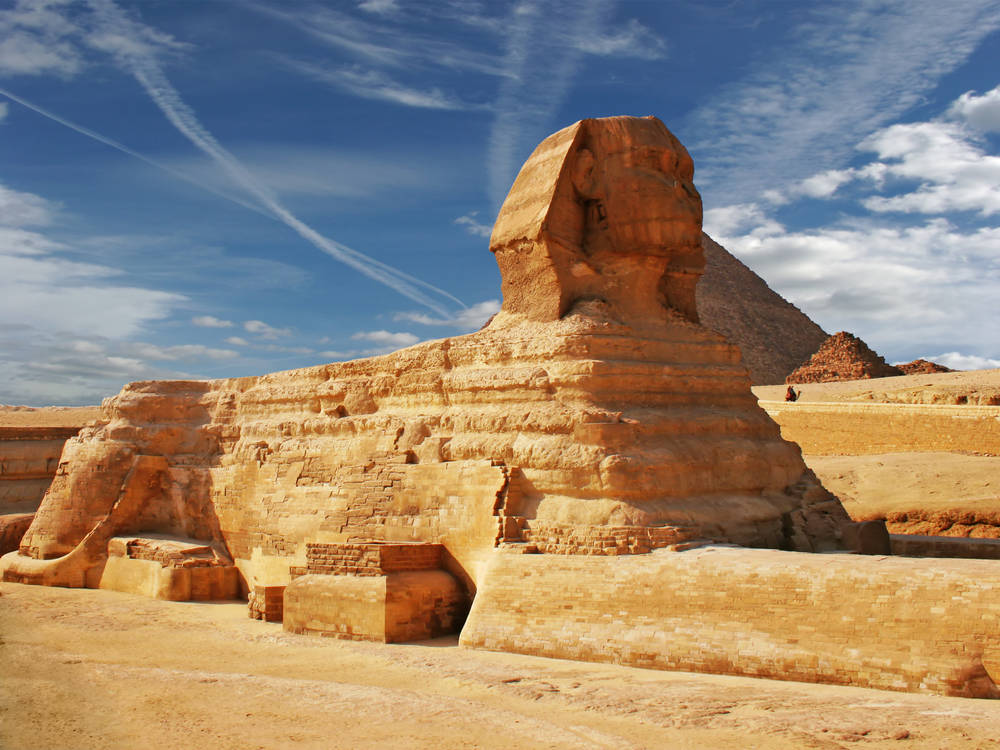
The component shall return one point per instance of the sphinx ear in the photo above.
(584, 181)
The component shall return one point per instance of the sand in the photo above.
(99, 669)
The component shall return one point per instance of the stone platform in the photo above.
(375, 591)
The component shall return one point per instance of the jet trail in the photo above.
(150, 76)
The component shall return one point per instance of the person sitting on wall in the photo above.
(790, 394)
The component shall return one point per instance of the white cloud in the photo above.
(3, 111)
(981, 112)
(470, 319)
(825, 184)
(955, 174)
(25, 54)
(851, 67)
(957, 361)
(901, 289)
(18, 209)
(265, 331)
(742, 218)
(379, 7)
(387, 338)
(237, 341)
(632, 40)
(210, 321)
(473, 226)
(177, 351)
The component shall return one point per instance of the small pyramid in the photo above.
(922, 367)
(843, 356)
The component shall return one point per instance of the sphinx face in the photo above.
(643, 187)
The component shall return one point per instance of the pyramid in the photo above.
(774, 336)
(922, 367)
(843, 356)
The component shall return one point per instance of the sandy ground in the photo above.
(48, 416)
(86, 669)
(970, 387)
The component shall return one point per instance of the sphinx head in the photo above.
(604, 210)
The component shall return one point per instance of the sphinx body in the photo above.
(592, 415)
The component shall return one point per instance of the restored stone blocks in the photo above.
(883, 622)
(171, 569)
(267, 603)
(375, 591)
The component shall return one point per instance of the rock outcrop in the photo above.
(843, 356)
(774, 336)
(594, 415)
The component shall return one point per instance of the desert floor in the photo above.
(98, 669)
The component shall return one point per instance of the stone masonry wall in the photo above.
(881, 622)
(853, 429)
(29, 457)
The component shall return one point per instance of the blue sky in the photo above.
(232, 187)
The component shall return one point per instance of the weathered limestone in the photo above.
(29, 456)
(593, 415)
(593, 421)
(170, 569)
(377, 591)
(892, 623)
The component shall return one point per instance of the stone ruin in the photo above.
(843, 356)
(587, 473)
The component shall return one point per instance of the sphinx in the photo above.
(593, 414)
(589, 449)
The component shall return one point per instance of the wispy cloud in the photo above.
(387, 338)
(851, 67)
(473, 226)
(632, 40)
(905, 287)
(20, 209)
(470, 319)
(178, 351)
(392, 41)
(210, 321)
(35, 39)
(379, 7)
(3, 111)
(372, 84)
(538, 76)
(143, 65)
(265, 331)
(60, 318)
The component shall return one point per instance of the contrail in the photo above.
(131, 152)
(200, 184)
(147, 71)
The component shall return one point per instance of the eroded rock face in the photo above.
(593, 415)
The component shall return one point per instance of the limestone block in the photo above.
(170, 569)
(408, 606)
(12, 528)
(892, 623)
